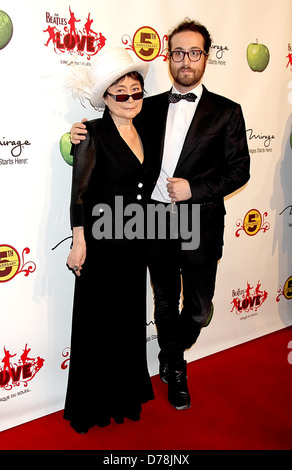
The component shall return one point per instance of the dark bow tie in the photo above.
(175, 97)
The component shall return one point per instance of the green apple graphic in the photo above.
(65, 148)
(6, 29)
(258, 56)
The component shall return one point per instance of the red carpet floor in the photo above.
(241, 400)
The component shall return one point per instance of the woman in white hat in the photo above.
(108, 377)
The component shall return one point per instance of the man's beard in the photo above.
(187, 80)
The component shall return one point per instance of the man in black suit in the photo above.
(200, 142)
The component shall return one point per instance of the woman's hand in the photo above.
(77, 254)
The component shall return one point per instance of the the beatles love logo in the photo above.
(249, 299)
(84, 41)
(19, 371)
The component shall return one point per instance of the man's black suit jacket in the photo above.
(214, 159)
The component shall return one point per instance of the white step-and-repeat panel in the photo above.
(250, 62)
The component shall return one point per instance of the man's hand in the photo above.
(78, 132)
(178, 189)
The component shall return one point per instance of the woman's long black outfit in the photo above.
(108, 376)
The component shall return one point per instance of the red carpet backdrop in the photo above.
(250, 62)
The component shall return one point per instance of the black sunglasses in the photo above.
(122, 98)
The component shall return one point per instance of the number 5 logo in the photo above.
(288, 288)
(146, 43)
(252, 222)
(9, 262)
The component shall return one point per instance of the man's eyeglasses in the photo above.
(194, 56)
(123, 98)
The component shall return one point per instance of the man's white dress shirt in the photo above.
(179, 118)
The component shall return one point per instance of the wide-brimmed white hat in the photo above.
(110, 66)
(91, 83)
